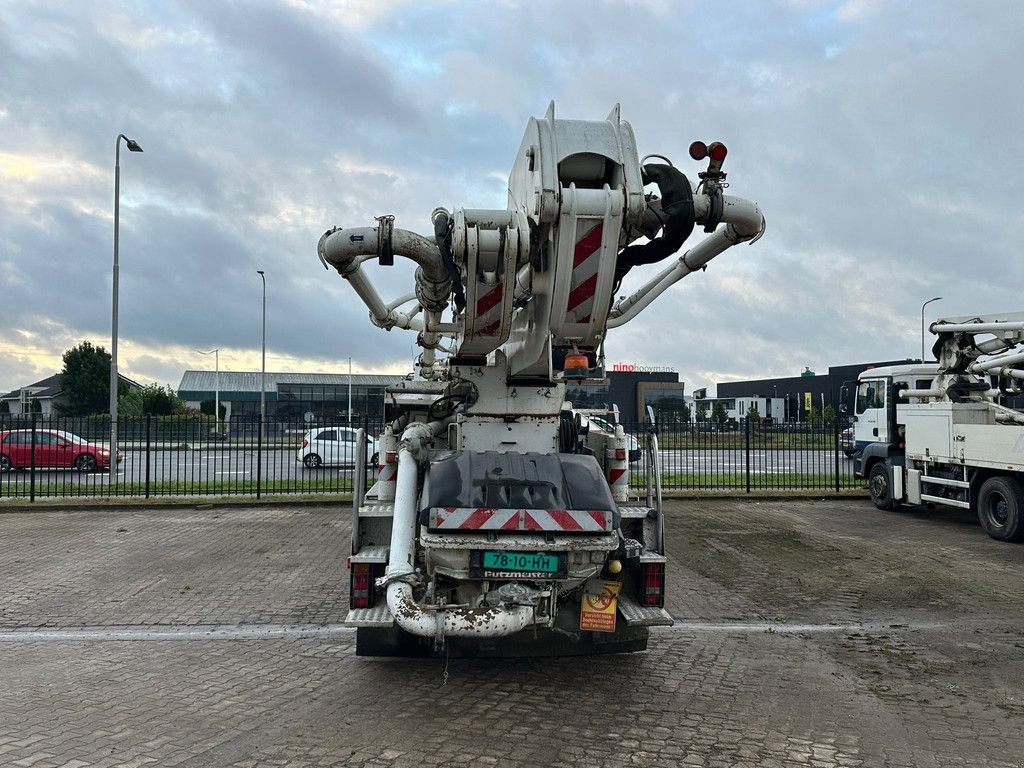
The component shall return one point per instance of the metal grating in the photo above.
(639, 615)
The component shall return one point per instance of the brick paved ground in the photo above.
(810, 634)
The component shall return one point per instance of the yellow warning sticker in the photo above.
(597, 611)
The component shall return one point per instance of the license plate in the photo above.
(517, 565)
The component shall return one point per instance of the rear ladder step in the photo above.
(375, 618)
(377, 554)
(637, 615)
(379, 509)
(635, 513)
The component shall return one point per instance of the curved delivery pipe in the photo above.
(347, 249)
(485, 621)
(743, 221)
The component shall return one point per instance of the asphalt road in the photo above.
(823, 634)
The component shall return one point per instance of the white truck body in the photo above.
(941, 434)
(498, 521)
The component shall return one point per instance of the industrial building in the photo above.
(791, 398)
(314, 397)
(324, 397)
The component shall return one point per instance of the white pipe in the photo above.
(906, 394)
(1014, 373)
(491, 621)
(940, 327)
(743, 220)
(341, 246)
(996, 362)
(343, 249)
(402, 300)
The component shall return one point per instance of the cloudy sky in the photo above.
(881, 139)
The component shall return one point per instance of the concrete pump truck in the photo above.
(944, 433)
(500, 521)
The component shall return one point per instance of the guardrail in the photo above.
(186, 456)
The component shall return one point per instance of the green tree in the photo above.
(753, 416)
(718, 414)
(702, 410)
(85, 380)
(829, 414)
(206, 408)
(673, 411)
(151, 400)
(814, 416)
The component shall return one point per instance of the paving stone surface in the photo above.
(810, 633)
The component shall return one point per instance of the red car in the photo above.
(55, 448)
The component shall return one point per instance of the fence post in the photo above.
(259, 457)
(836, 452)
(149, 444)
(747, 462)
(32, 463)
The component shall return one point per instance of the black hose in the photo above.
(677, 204)
(568, 433)
(443, 238)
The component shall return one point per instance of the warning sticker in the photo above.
(597, 611)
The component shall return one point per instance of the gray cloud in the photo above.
(880, 141)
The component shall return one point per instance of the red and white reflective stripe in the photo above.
(488, 309)
(487, 519)
(618, 480)
(585, 263)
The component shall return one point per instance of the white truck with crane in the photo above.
(501, 522)
(943, 434)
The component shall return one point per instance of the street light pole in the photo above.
(263, 391)
(350, 390)
(922, 323)
(263, 368)
(133, 147)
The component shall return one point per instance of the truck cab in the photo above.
(877, 434)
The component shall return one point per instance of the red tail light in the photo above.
(305, 442)
(654, 584)
(362, 586)
(620, 454)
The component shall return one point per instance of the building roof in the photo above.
(51, 387)
(48, 387)
(249, 381)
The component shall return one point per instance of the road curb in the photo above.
(345, 500)
(116, 505)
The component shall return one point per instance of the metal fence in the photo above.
(750, 457)
(190, 456)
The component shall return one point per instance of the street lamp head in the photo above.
(132, 144)
(259, 271)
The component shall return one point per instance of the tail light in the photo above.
(620, 454)
(305, 442)
(361, 595)
(654, 585)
